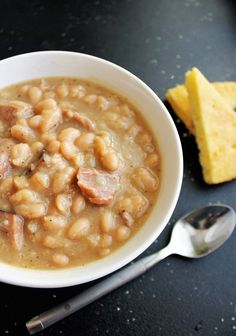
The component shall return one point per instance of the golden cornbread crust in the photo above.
(215, 128)
(179, 100)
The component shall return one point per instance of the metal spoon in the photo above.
(195, 235)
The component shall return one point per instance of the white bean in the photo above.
(145, 179)
(69, 134)
(31, 210)
(21, 155)
(110, 161)
(63, 203)
(60, 259)
(54, 223)
(46, 104)
(40, 180)
(62, 91)
(50, 119)
(107, 221)
(53, 146)
(152, 160)
(78, 204)
(79, 228)
(122, 233)
(68, 150)
(35, 94)
(20, 182)
(62, 179)
(106, 240)
(50, 242)
(23, 133)
(85, 141)
(35, 121)
(36, 147)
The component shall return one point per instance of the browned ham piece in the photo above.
(12, 110)
(13, 225)
(97, 186)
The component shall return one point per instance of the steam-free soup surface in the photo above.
(79, 172)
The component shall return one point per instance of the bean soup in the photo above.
(79, 172)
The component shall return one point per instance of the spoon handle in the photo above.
(57, 313)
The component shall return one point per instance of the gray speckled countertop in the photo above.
(158, 41)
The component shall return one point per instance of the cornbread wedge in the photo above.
(215, 129)
(178, 99)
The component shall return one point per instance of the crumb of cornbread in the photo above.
(215, 129)
(179, 100)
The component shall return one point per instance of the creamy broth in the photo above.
(79, 172)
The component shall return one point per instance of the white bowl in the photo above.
(59, 63)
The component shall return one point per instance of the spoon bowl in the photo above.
(203, 230)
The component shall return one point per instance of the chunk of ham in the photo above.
(13, 225)
(5, 150)
(84, 121)
(97, 186)
(127, 218)
(12, 110)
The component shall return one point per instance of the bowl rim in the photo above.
(39, 282)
